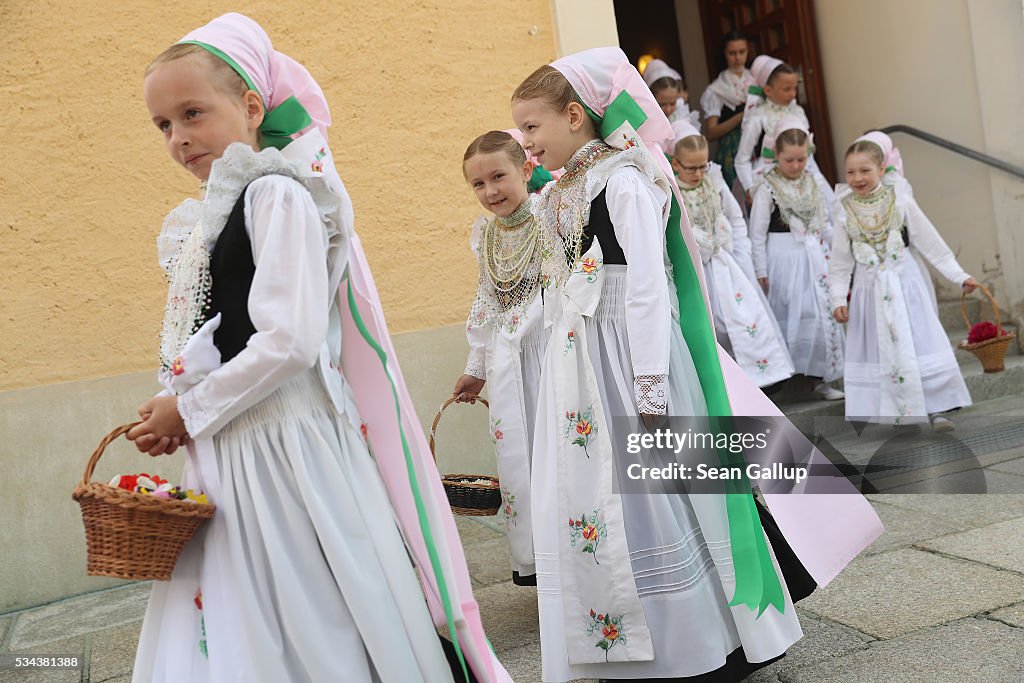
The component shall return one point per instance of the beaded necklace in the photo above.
(566, 212)
(510, 255)
(799, 201)
(873, 218)
(703, 205)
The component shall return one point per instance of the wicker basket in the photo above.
(476, 495)
(133, 535)
(991, 352)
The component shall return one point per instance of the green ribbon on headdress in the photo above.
(281, 122)
(757, 583)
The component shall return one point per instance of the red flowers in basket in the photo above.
(157, 487)
(983, 331)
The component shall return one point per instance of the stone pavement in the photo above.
(938, 598)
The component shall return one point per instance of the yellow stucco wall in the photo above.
(85, 180)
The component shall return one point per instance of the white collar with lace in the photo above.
(302, 160)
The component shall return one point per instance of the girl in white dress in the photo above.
(773, 99)
(637, 586)
(302, 575)
(666, 85)
(505, 328)
(892, 162)
(723, 103)
(790, 234)
(900, 367)
(744, 323)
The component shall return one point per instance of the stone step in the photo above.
(982, 386)
(951, 319)
(967, 358)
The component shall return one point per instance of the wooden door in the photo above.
(784, 29)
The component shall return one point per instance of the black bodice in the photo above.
(600, 226)
(231, 271)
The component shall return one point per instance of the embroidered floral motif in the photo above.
(739, 297)
(896, 376)
(583, 426)
(589, 530)
(762, 364)
(570, 343)
(752, 330)
(496, 434)
(321, 153)
(513, 323)
(509, 507)
(317, 167)
(589, 267)
(198, 600)
(178, 366)
(628, 141)
(364, 431)
(610, 629)
(545, 281)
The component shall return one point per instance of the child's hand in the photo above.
(841, 314)
(763, 281)
(969, 285)
(468, 389)
(162, 430)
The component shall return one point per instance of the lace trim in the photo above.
(564, 207)
(193, 414)
(509, 262)
(651, 393)
(475, 368)
(188, 297)
(230, 174)
(800, 202)
(191, 230)
(703, 206)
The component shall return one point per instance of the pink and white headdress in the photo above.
(787, 122)
(682, 129)
(297, 112)
(657, 69)
(291, 96)
(892, 160)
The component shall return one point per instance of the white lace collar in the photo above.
(302, 160)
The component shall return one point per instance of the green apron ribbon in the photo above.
(281, 122)
(421, 509)
(756, 90)
(767, 153)
(757, 583)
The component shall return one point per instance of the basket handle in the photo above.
(991, 300)
(107, 440)
(437, 418)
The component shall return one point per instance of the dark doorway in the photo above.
(649, 28)
(784, 29)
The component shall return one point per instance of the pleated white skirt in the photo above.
(678, 572)
(303, 573)
(792, 294)
(943, 384)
